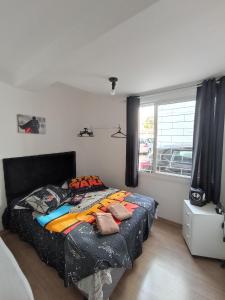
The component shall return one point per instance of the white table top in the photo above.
(208, 209)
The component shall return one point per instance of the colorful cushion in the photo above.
(65, 185)
(85, 184)
(45, 199)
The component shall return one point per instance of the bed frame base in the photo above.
(116, 274)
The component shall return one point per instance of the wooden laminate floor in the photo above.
(165, 271)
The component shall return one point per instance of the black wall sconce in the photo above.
(86, 133)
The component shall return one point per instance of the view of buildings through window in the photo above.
(166, 143)
(146, 138)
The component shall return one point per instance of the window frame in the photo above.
(176, 96)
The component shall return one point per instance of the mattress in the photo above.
(13, 283)
(75, 249)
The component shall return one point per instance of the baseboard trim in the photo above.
(170, 222)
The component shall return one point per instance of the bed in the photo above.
(74, 254)
(13, 283)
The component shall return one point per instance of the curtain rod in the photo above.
(170, 89)
(176, 87)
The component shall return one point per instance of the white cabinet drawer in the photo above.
(187, 215)
(187, 233)
(187, 220)
(187, 211)
(202, 230)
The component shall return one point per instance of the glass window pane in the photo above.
(146, 138)
(175, 137)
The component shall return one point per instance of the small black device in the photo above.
(197, 197)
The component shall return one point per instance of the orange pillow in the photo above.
(85, 184)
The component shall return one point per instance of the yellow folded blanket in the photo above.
(62, 223)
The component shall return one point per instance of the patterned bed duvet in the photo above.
(68, 239)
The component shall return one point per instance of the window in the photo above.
(166, 137)
(146, 141)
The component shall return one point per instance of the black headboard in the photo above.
(24, 174)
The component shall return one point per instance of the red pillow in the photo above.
(85, 184)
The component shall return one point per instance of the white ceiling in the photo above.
(147, 44)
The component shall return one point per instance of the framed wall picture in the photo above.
(31, 124)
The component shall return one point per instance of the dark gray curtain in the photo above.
(132, 146)
(208, 138)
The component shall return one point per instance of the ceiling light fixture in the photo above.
(113, 81)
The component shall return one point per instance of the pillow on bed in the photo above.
(86, 184)
(65, 185)
(45, 199)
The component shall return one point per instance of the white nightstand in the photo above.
(202, 230)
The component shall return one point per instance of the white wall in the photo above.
(58, 104)
(105, 156)
(67, 111)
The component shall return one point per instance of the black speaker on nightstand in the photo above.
(197, 197)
